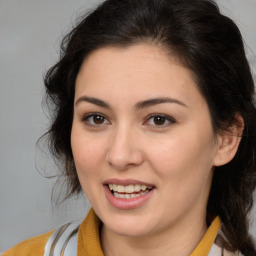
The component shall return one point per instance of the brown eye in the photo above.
(98, 119)
(159, 120)
(94, 119)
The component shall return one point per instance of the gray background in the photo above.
(30, 33)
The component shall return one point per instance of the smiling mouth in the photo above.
(130, 191)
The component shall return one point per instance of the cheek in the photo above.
(87, 154)
(184, 171)
(184, 157)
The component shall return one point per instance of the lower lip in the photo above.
(126, 204)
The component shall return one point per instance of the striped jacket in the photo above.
(63, 242)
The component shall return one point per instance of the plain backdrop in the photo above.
(30, 33)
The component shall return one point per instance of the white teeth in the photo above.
(144, 192)
(121, 195)
(128, 196)
(136, 188)
(120, 188)
(143, 187)
(128, 189)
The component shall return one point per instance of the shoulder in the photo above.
(31, 247)
(54, 242)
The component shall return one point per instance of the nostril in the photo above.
(124, 160)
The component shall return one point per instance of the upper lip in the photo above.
(127, 182)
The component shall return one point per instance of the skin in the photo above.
(177, 157)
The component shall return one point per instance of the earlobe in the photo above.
(228, 142)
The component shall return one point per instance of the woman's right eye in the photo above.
(95, 119)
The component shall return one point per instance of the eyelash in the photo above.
(166, 118)
(86, 118)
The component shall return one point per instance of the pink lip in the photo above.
(126, 182)
(127, 204)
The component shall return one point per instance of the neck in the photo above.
(175, 240)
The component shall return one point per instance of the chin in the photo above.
(130, 227)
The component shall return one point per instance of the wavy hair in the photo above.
(211, 46)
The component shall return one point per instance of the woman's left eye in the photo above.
(159, 120)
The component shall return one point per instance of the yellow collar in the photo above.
(89, 237)
(204, 247)
(88, 243)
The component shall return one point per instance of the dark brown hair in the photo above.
(206, 42)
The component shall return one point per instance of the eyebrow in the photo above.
(139, 105)
(156, 101)
(94, 101)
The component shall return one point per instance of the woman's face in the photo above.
(142, 140)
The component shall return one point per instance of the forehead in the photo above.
(133, 58)
(135, 70)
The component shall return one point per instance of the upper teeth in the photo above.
(129, 188)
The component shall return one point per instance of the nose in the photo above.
(124, 150)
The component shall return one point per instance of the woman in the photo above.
(153, 118)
